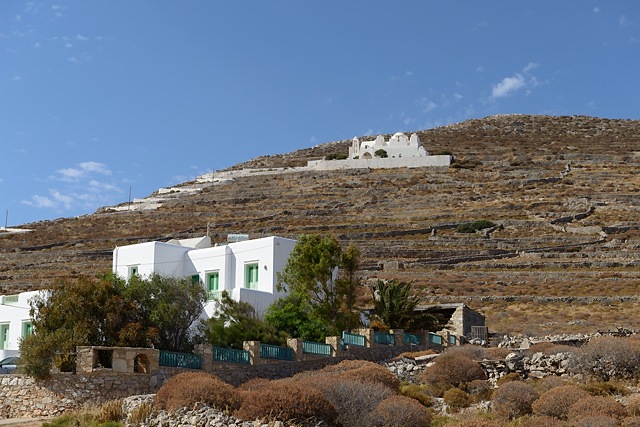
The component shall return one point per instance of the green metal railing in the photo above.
(179, 360)
(453, 340)
(230, 355)
(382, 338)
(316, 348)
(268, 351)
(412, 339)
(353, 339)
(435, 339)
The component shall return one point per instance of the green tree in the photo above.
(235, 322)
(395, 306)
(321, 275)
(382, 153)
(165, 309)
(106, 311)
(295, 317)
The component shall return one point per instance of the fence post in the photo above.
(296, 345)
(253, 347)
(368, 336)
(206, 356)
(425, 339)
(334, 342)
(398, 337)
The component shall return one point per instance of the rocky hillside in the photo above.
(564, 192)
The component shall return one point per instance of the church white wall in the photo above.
(380, 163)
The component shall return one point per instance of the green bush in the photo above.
(456, 399)
(606, 388)
(185, 389)
(474, 226)
(416, 392)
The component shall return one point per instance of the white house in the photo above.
(398, 146)
(245, 269)
(15, 322)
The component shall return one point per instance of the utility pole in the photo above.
(6, 219)
(129, 204)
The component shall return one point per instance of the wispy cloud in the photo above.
(426, 104)
(623, 21)
(82, 170)
(85, 186)
(521, 80)
(596, 9)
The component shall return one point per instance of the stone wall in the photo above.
(135, 371)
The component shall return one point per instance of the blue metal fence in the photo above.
(353, 339)
(275, 352)
(310, 347)
(435, 339)
(179, 360)
(412, 339)
(382, 338)
(230, 355)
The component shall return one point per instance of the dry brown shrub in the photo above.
(353, 399)
(597, 421)
(631, 422)
(495, 353)
(396, 411)
(345, 365)
(416, 392)
(633, 405)
(606, 358)
(591, 406)
(374, 373)
(452, 370)
(541, 421)
(187, 388)
(557, 401)
(253, 384)
(456, 399)
(140, 414)
(514, 399)
(286, 401)
(547, 383)
(111, 411)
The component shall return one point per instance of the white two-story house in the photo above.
(245, 269)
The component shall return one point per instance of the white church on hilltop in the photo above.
(398, 146)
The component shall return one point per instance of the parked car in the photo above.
(8, 365)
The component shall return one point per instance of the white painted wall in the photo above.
(230, 261)
(14, 315)
(378, 163)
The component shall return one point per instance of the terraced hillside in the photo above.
(564, 192)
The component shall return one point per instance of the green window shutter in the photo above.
(251, 274)
(213, 281)
(195, 278)
(27, 329)
(4, 337)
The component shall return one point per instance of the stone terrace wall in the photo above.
(21, 396)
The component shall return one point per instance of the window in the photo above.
(133, 271)
(251, 276)
(212, 285)
(195, 278)
(27, 329)
(4, 336)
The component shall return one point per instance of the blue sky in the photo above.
(97, 97)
